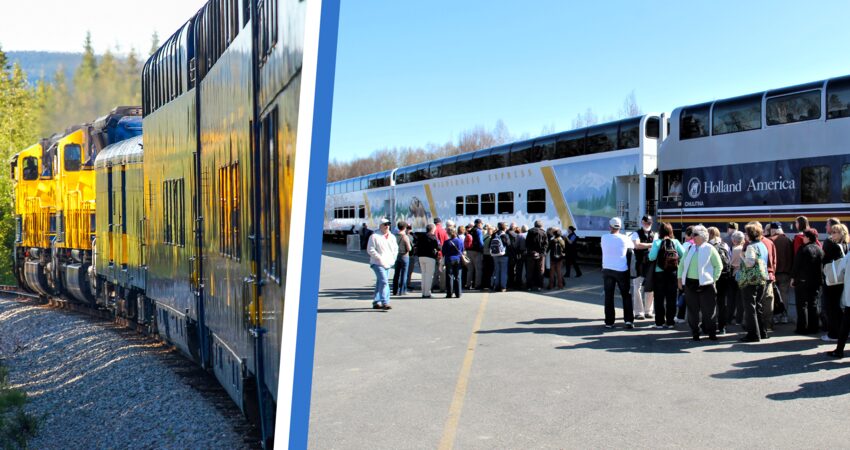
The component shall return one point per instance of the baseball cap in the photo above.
(615, 222)
(775, 226)
(477, 221)
(385, 221)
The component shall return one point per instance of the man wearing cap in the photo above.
(476, 255)
(383, 250)
(784, 264)
(617, 249)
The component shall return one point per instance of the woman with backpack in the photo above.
(752, 278)
(665, 254)
(557, 252)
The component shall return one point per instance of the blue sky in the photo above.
(410, 73)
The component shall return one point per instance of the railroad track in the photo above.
(193, 375)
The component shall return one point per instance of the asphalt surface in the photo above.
(521, 370)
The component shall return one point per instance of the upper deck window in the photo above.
(73, 154)
(693, 122)
(30, 168)
(793, 108)
(629, 136)
(838, 99)
(732, 116)
(571, 145)
(653, 128)
(602, 138)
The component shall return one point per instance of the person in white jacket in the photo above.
(383, 250)
(697, 274)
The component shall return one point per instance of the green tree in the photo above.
(84, 96)
(19, 121)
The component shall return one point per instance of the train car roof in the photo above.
(128, 151)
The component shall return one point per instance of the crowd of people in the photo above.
(708, 279)
(477, 256)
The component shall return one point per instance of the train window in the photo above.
(815, 184)
(523, 153)
(270, 174)
(572, 144)
(459, 205)
(497, 158)
(602, 138)
(123, 200)
(671, 185)
(845, 183)
(449, 167)
(361, 212)
(629, 134)
(166, 212)
(693, 121)
(488, 203)
(400, 177)
(545, 149)
(30, 169)
(536, 201)
(793, 108)
(732, 116)
(434, 170)
(653, 128)
(73, 157)
(246, 12)
(465, 164)
(506, 202)
(838, 99)
(421, 173)
(471, 205)
(110, 200)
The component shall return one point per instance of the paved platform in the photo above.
(521, 370)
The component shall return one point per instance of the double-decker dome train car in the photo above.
(580, 178)
(769, 156)
(57, 207)
(220, 102)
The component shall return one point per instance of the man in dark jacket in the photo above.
(806, 280)
(784, 263)
(476, 254)
(427, 248)
(536, 244)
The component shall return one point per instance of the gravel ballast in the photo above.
(99, 386)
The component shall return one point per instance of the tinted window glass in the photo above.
(361, 213)
(693, 122)
(471, 205)
(793, 108)
(629, 135)
(488, 203)
(498, 158)
(732, 116)
(506, 202)
(464, 164)
(30, 168)
(653, 128)
(536, 201)
(459, 206)
(845, 183)
(72, 157)
(544, 150)
(522, 154)
(449, 169)
(570, 145)
(435, 169)
(602, 139)
(838, 99)
(815, 186)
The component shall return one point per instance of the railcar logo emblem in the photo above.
(694, 187)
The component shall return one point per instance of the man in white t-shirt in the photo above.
(617, 250)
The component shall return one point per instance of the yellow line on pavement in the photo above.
(448, 440)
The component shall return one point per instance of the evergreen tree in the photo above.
(84, 96)
(154, 43)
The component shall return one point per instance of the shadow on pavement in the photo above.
(595, 337)
(778, 366)
(348, 293)
(817, 389)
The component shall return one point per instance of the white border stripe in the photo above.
(292, 294)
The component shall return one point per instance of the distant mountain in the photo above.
(44, 65)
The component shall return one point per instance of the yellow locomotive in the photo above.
(55, 205)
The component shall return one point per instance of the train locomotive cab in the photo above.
(34, 204)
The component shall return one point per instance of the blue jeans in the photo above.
(453, 284)
(400, 275)
(500, 272)
(382, 285)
